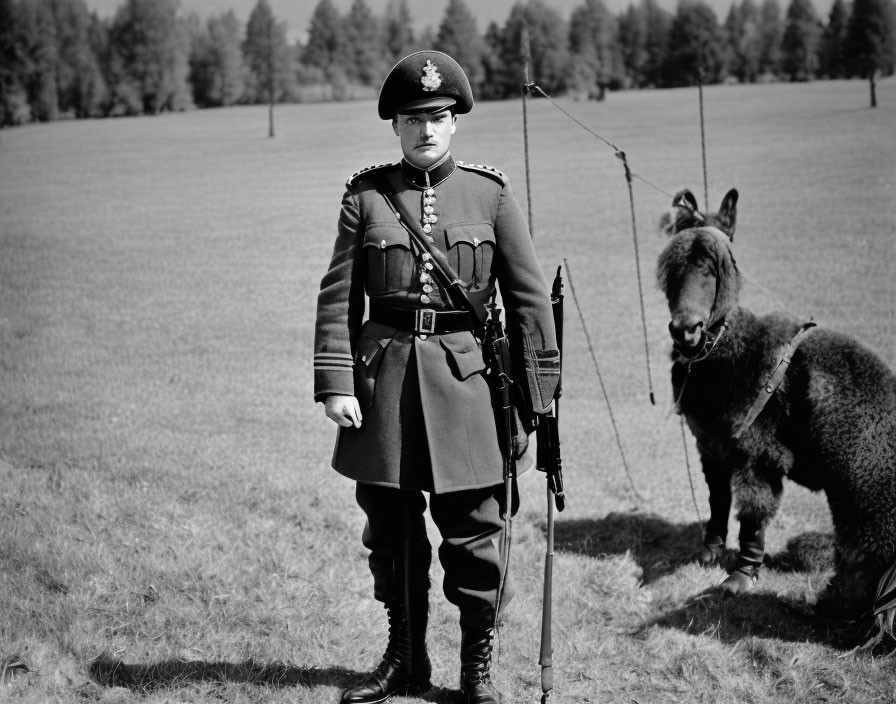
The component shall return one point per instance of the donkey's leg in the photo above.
(718, 480)
(758, 487)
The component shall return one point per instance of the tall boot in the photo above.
(475, 659)
(405, 667)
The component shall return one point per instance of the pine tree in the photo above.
(217, 70)
(399, 34)
(14, 66)
(799, 44)
(769, 38)
(458, 37)
(150, 48)
(696, 49)
(871, 41)
(366, 61)
(656, 41)
(269, 57)
(632, 40)
(547, 41)
(79, 83)
(831, 56)
(595, 56)
(39, 31)
(742, 34)
(326, 47)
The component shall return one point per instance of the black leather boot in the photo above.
(475, 659)
(405, 667)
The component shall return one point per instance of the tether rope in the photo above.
(631, 197)
(600, 378)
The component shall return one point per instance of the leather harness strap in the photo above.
(774, 380)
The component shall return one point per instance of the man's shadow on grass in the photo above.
(110, 672)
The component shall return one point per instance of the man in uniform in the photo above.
(409, 388)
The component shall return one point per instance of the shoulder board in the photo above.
(485, 170)
(353, 179)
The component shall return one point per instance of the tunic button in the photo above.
(425, 256)
(424, 278)
(429, 191)
(428, 266)
(364, 358)
(425, 299)
(427, 288)
(383, 244)
(428, 209)
(476, 241)
(423, 337)
(433, 219)
(427, 227)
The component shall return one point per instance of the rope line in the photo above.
(631, 201)
(687, 464)
(600, 378)
(629, 175)
(703, 137)
(617, 150)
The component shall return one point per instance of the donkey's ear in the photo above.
(728, 212)
(685, 199)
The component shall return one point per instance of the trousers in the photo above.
(470, 524)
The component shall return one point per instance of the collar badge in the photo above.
(431, 79)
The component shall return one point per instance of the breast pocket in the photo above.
(390, 264)
(471, 247)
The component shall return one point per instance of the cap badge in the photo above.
(431, 79)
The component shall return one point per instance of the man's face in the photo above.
(425, 138)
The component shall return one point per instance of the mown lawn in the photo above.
(166, 494)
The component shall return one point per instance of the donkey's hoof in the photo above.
(711, 552)
(739, 582)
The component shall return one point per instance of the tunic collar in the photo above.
(428, 178)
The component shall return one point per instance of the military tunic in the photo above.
(427, 412)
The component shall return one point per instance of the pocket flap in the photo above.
(464, 355)
(382, 235)
(473, 233)
(369, 352)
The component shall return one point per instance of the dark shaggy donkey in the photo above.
(828, 421)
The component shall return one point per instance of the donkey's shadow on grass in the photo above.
(145, 678)
(660, 547)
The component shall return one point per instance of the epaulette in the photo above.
(355, 176)
(490, 171)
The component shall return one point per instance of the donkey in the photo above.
(770, 397)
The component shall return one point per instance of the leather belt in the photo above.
(425, 321)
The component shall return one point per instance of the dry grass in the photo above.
(169, 527)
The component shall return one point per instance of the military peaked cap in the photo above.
(426, 81)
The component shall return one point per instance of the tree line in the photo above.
(58, 59)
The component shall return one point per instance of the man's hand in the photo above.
(343, 410)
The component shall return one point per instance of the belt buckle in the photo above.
(425, 321)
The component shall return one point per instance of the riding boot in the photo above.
(475, 659)
(405, 667)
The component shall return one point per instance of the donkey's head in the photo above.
(697, 272)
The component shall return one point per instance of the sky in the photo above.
(297, 13)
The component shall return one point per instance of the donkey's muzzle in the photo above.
(687, 335)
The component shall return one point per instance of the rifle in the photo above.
(548, 461)
(496, 351)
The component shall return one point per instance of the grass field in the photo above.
(166, 494)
